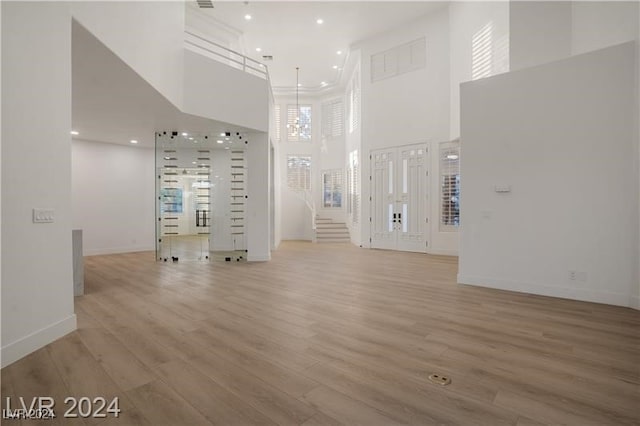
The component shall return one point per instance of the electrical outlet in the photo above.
(573, 275)
(439, 379)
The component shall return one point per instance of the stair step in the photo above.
(333, 240)
(330, 226)
(328, 231)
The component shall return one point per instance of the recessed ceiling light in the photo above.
(323, 83)
(133, 141)
(194, 162)
(299, 84)
(185, 134)
(190, 139)
(339, 52)
(75, 132)
(335, 67)
(220, 141)
(258, 49)
(222, 134)
(452, 157)
(319, 21)
(247, 17)
(226, 139)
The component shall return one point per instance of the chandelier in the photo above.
(294, 128)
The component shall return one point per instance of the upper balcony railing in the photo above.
(226, 56)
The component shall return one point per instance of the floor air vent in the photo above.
(205, 4)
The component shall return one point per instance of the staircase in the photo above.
(329, 232)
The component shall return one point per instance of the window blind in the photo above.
(332, 119)
(449, 185)
(299, 172)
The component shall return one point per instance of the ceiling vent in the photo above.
(267, 58)
(205, 4)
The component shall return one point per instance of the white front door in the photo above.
(399, 198)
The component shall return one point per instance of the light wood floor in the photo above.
(332, 334)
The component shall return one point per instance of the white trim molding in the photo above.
(580, 294)
(634, 302)
(258, 258)
(34, 341)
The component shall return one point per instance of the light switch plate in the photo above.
(43, 215)
(502, 188)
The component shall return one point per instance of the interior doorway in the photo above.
(400, 198)
(201, 192)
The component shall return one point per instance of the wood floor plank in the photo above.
(218, 405)
(163, 406)
(33, 377)
(278, 406)
(417, 402)
(321, 419)
(332, 334)
(119, 363)
(84, 376)
(337, 405)
(280, 377)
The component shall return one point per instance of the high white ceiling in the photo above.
(289, 32)
(112, 103)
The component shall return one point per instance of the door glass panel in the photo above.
(390, 177)
(404, 176)
(194, 217)
(390, 217)
(405, 218)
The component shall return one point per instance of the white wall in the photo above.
(112, 193)
(296, 218)
(258, 204)
(540, 32)
(596, 25)
(562, 136)
(218, 91)
(0, 176)
(275, 178)
(148, 36)
(331, 155)
(200, 22)
(409, 108)
(37, 282)
(636, 301)
(353, 142)
(466, 19)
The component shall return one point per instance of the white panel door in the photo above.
(399, 198)
(383, 210)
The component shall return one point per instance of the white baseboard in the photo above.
(585, 295)
(116, 250)
(635, 302)
(24, 346)
(259, 258)
(443, 252)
